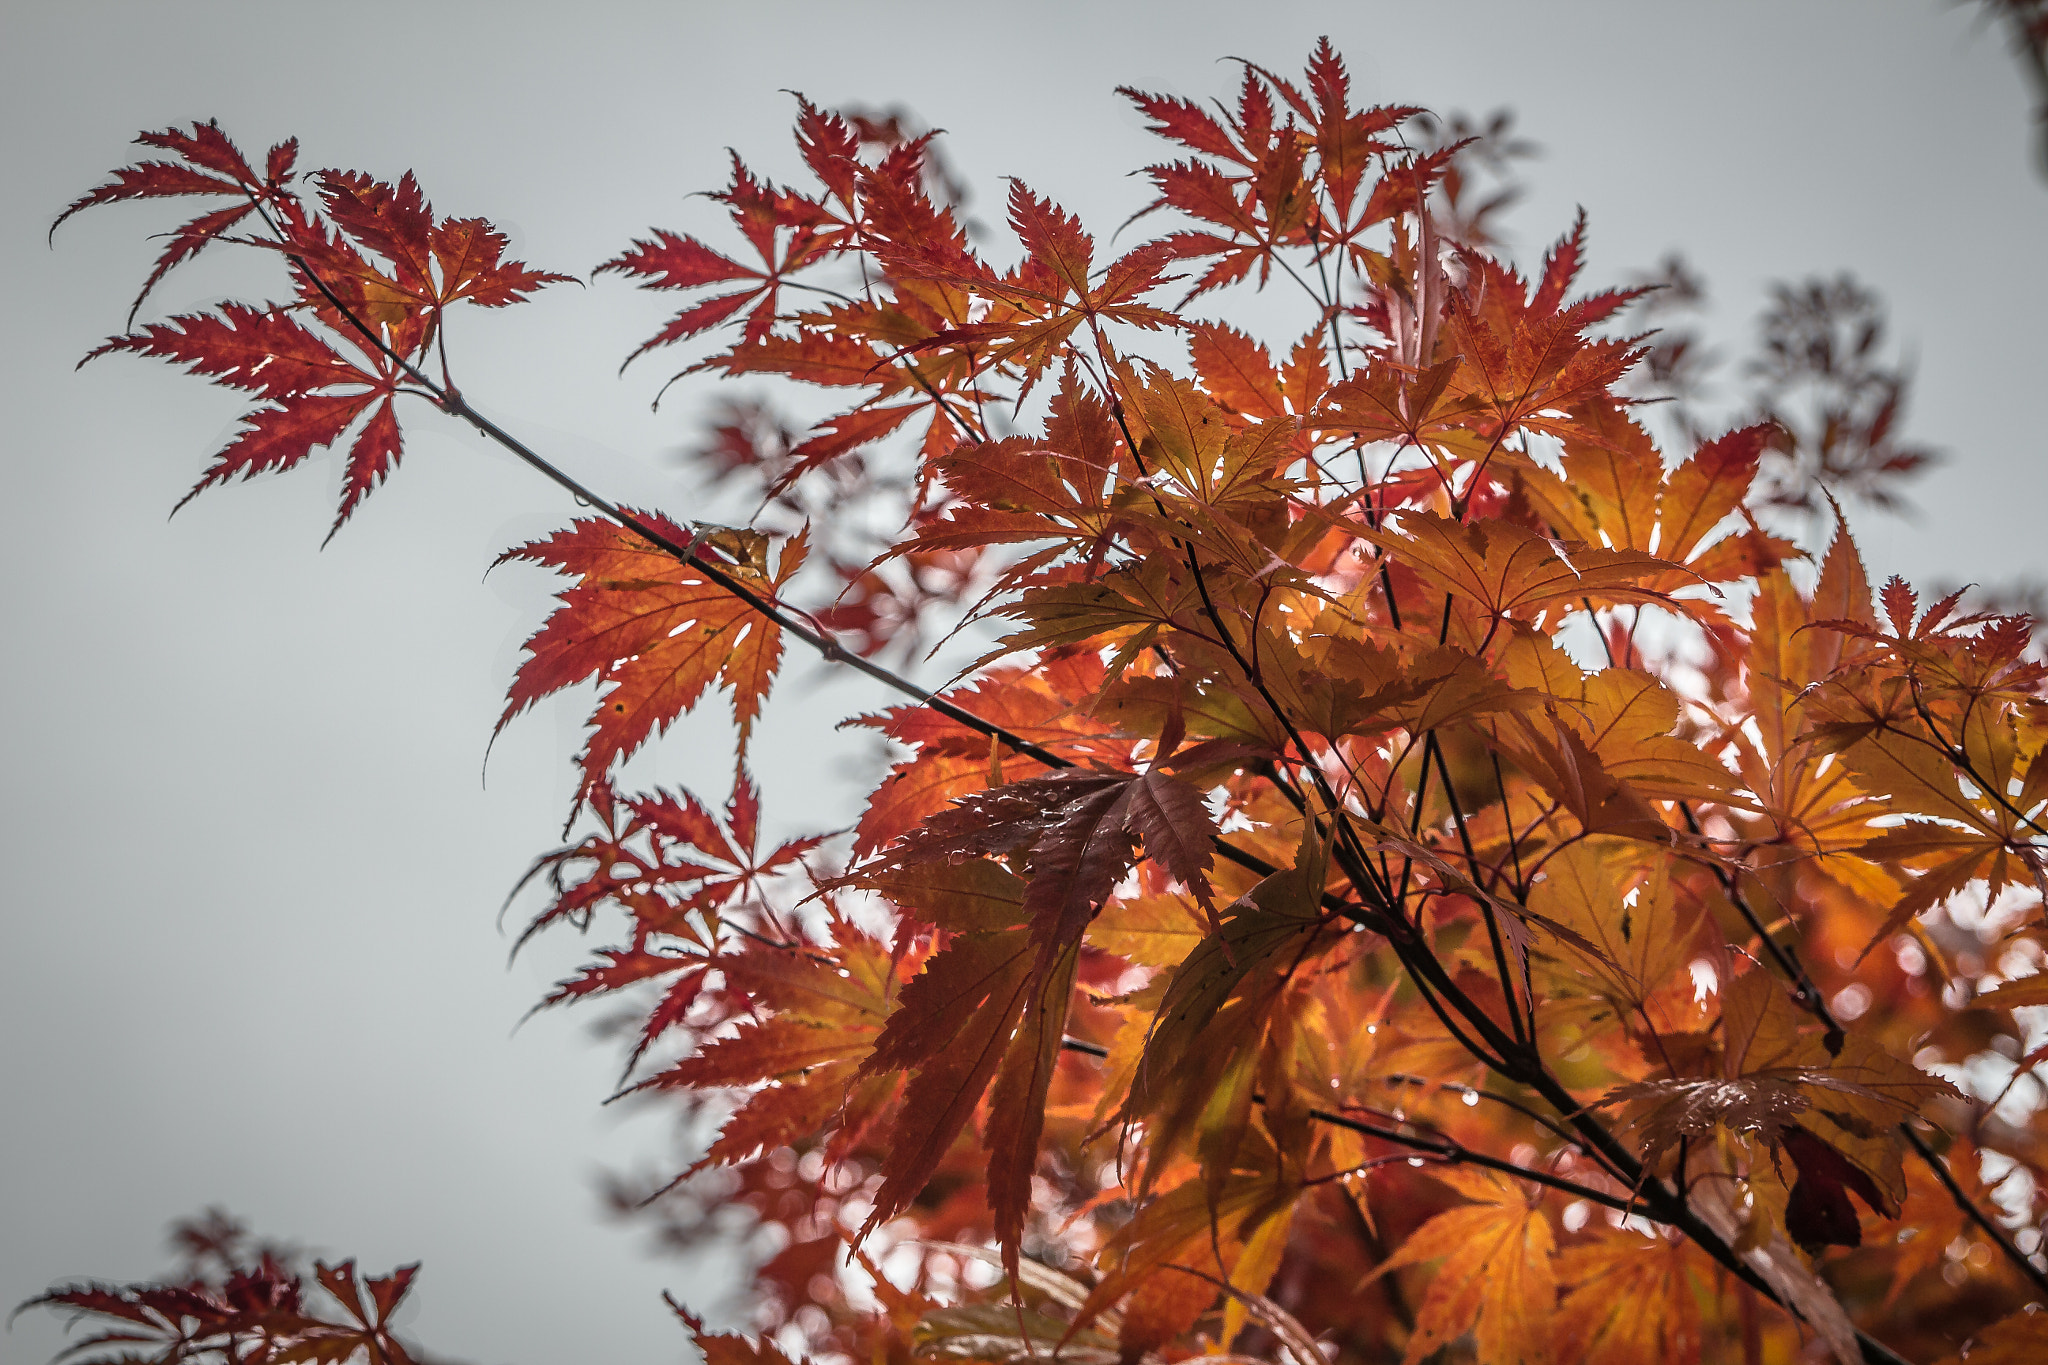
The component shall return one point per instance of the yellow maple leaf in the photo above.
(2021, 1339)
(1632, 1300)
(1510, 571)
(1642, 937)
(1497, 1278)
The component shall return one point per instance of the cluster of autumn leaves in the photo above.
(1281, 943)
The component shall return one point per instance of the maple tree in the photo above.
(1279, 942)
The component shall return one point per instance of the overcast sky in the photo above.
(251, 953)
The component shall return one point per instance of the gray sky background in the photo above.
(250, 948)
